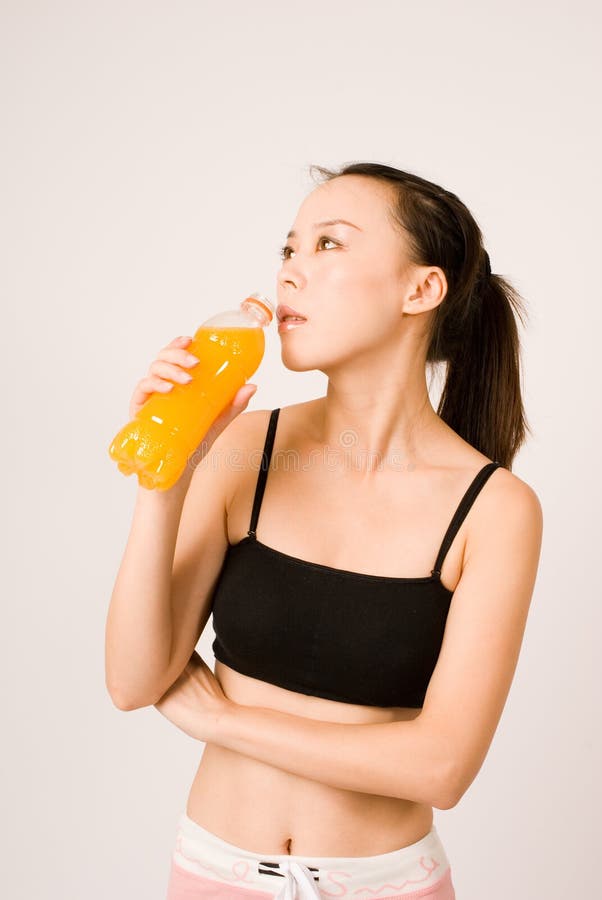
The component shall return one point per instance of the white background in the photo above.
(153, 158)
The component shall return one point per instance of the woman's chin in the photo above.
(299, 355)
(296, 362)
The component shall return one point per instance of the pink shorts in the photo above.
(205, 866)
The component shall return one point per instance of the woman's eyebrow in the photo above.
(328, 222)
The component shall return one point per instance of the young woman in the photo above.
(368, 623)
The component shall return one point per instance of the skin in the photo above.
(271, 783)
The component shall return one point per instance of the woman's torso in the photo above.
(265, 809)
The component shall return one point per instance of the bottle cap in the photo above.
(263, 301)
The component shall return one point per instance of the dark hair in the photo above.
(474, 329)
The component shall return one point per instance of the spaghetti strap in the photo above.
(461, 512)
(263, 471)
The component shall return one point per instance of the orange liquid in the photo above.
(156, 444)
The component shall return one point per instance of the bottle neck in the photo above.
(257, 310)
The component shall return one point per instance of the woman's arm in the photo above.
(401, 759)
(162, 597)
(139, 621)
(391, 759)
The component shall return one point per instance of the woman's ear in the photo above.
(427, 290)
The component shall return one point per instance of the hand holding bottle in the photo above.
(171, 367)
(177, 414)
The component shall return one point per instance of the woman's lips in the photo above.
(283, 310)
(288, 324)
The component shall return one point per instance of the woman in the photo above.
(368, 623)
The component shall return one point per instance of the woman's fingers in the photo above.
(168, 368)
(171, 367)
(170, 371)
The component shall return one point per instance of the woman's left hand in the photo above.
(195, 702)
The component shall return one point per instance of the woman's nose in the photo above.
(290, 277)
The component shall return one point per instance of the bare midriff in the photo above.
(266, 810)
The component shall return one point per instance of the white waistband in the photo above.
(290, 877)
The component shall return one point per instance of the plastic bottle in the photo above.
(156, 444)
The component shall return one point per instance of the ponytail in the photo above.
(481, 398)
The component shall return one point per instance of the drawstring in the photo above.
(299, 882)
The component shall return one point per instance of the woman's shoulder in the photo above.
(521, 496)
(504, 501)
(505, 489)
(509, 503)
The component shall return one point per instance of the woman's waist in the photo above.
(255, 805)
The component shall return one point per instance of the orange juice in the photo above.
(157, 443)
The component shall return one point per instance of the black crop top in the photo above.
(326, 632)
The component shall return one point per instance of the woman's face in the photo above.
(348, 281)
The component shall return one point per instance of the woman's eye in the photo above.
(328, 240)
(285, 251)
